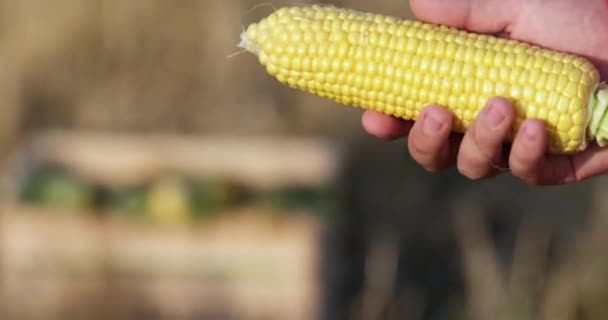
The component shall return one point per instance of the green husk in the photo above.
(598, 126)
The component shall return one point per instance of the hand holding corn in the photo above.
(433, 82)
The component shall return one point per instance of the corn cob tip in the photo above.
(247, 44)
(398, 67)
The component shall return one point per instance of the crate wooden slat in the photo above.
(263, 268)
(263, 162)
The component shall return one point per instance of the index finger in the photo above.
(384, 126)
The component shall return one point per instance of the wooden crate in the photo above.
(244, 264)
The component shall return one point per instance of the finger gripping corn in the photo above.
(398, 67)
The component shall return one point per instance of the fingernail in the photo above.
(529, 133)
(432, 124)
(495, 116)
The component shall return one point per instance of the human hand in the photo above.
(574, 26)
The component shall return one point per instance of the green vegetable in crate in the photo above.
(168, 202)
(295, 197)
(127, 200)
(210, 196)
(58, 189)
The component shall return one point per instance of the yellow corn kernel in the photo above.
(398, 67)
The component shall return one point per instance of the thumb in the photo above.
(483, 16)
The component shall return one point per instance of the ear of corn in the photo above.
(398, 67)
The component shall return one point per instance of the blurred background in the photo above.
(148, 172)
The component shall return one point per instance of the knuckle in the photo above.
(470, 171)
(420, 147)
(432, 168)
(524, 165)
(472, 162)
(517, 164)
(431, 153)
(435, 166)
(422, 158)
(430, 159)
(525, 174)
(530, 175)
